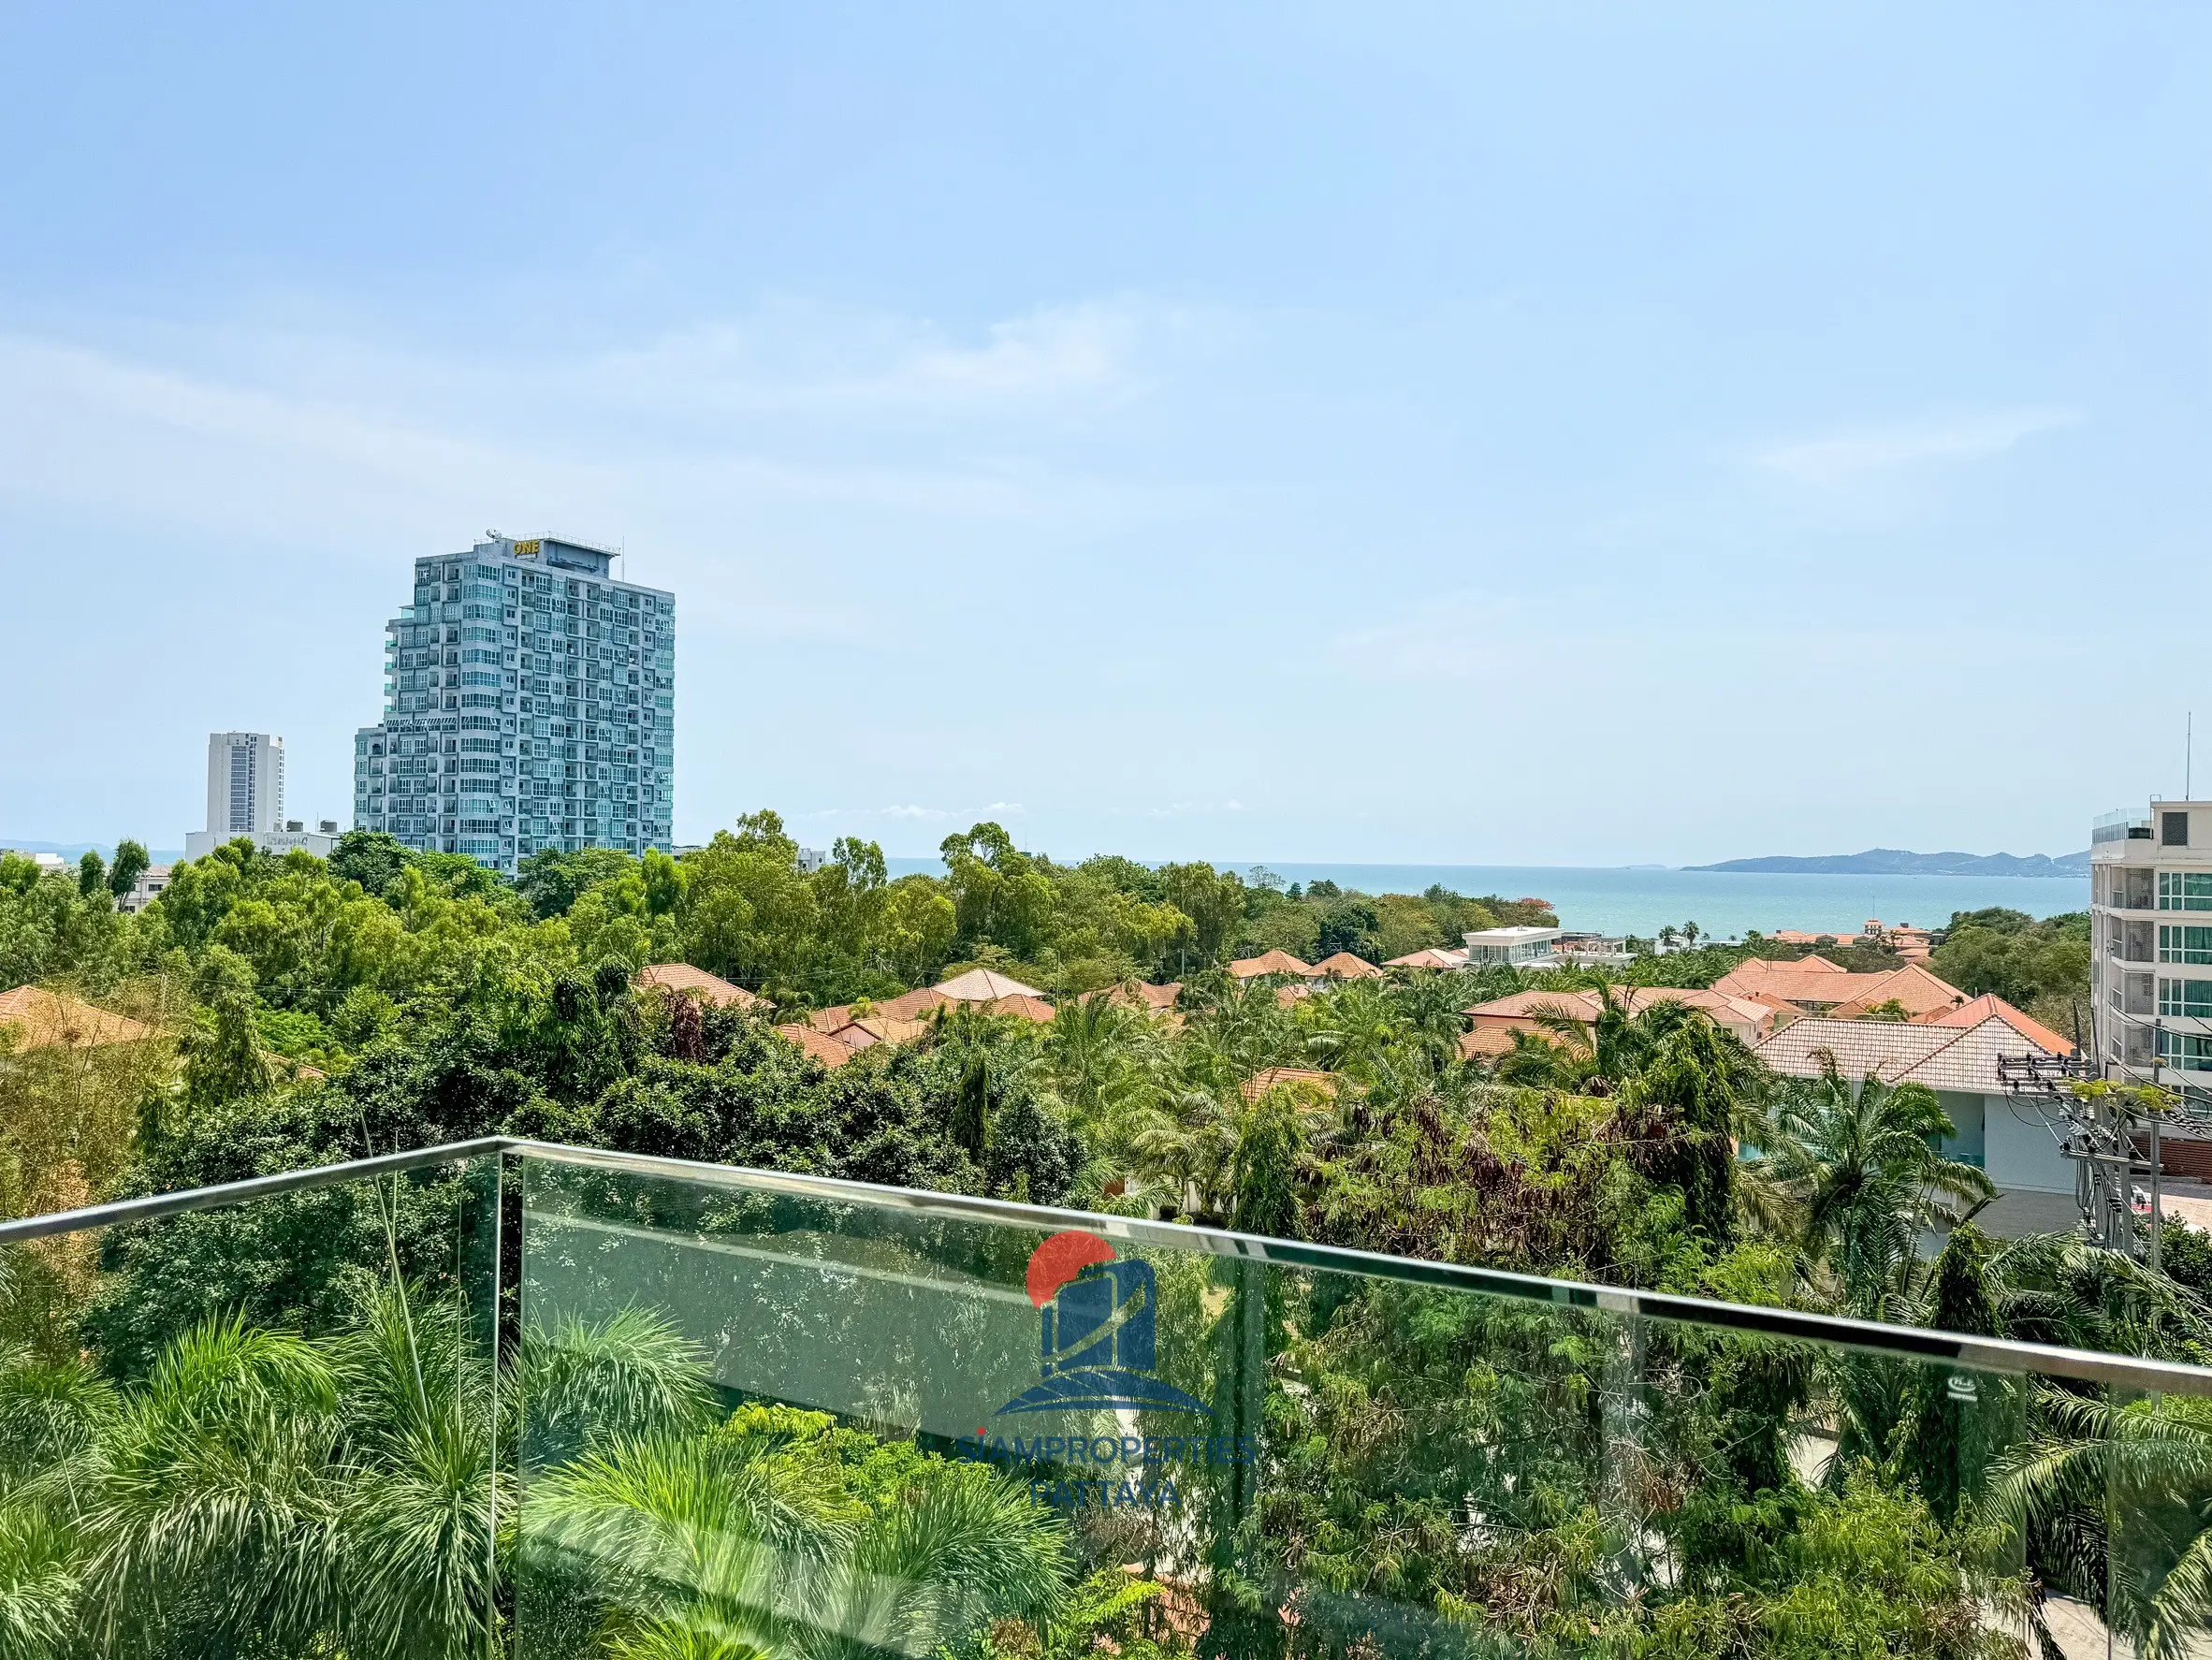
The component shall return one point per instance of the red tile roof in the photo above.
(1027, 1008)
(683, 977)
(1989, 1004)
(911, 1005)
(41, 1018)
(1345, 965)
(1430, 957)
(1952, 1057)
(1488, 1040)
(1747, 1017)
(1271, 962)
(983, 986)
(1803, 983)
(821, 1045)
(872, 1029)
(1259, 1083)
(1923, 995)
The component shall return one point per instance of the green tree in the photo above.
(373, 858)
(748, 913)
(224, 1063)
(130, 864)
(1862, 1163)
(553, 880)
(1213, 901)
(777, 1533)
(1000, 894)
(1267, 1169)
(1348, 925)
(1703, 1085)
(2042, 966)
(1100, 1050)
(2126, 1487)
(665, 880)
(918, 928)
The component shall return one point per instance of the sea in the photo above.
(1640, 899)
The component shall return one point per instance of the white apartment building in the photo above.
(2150, 972)
(245, 790)
(530, 704)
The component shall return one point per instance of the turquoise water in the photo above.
(1721, 903)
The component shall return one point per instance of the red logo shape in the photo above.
(1061, 1258)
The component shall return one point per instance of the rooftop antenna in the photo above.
(2189, 751)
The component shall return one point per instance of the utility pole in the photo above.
(2157, 1221)
(2158, 1045)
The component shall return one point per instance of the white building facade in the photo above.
(245, 790)
(1524, 947)
(2150, 970)
(530, 703)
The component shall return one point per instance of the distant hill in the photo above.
(1891, 861)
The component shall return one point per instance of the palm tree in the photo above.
(1352, 1028)
(991, 1051)
(758, 1539)
(1667, 937)
(1701, 1093)
(268, 1488)
(2119, 1497)
(268, 1492)
(1862, 1166)
(1102, 1052)
(1607, 1052)
(1243, 1031)
(1186, 1146)
(1432, 1010)
(54, 1418)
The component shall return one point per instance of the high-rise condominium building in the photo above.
(2150, 945)
(245, 790)
(530, 703)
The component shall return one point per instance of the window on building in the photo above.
(2185, 1050)
(2184, 890)
(2189, 999)
(2173, 829)
(2178, 944)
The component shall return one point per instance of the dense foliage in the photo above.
(2043, 967)
(1444, 1472)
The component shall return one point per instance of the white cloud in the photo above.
(910, 813)
(1844, 457)
(794, 360)
(1454, 637)
(275, 434)
(1178, 810)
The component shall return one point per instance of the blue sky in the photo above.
(1571, 434)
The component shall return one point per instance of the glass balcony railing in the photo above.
(257, 1419)
(738, 1413)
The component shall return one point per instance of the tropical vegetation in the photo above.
(267, 1429)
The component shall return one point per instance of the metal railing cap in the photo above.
(1905, 1342)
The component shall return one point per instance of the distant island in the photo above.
(1891, 861)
